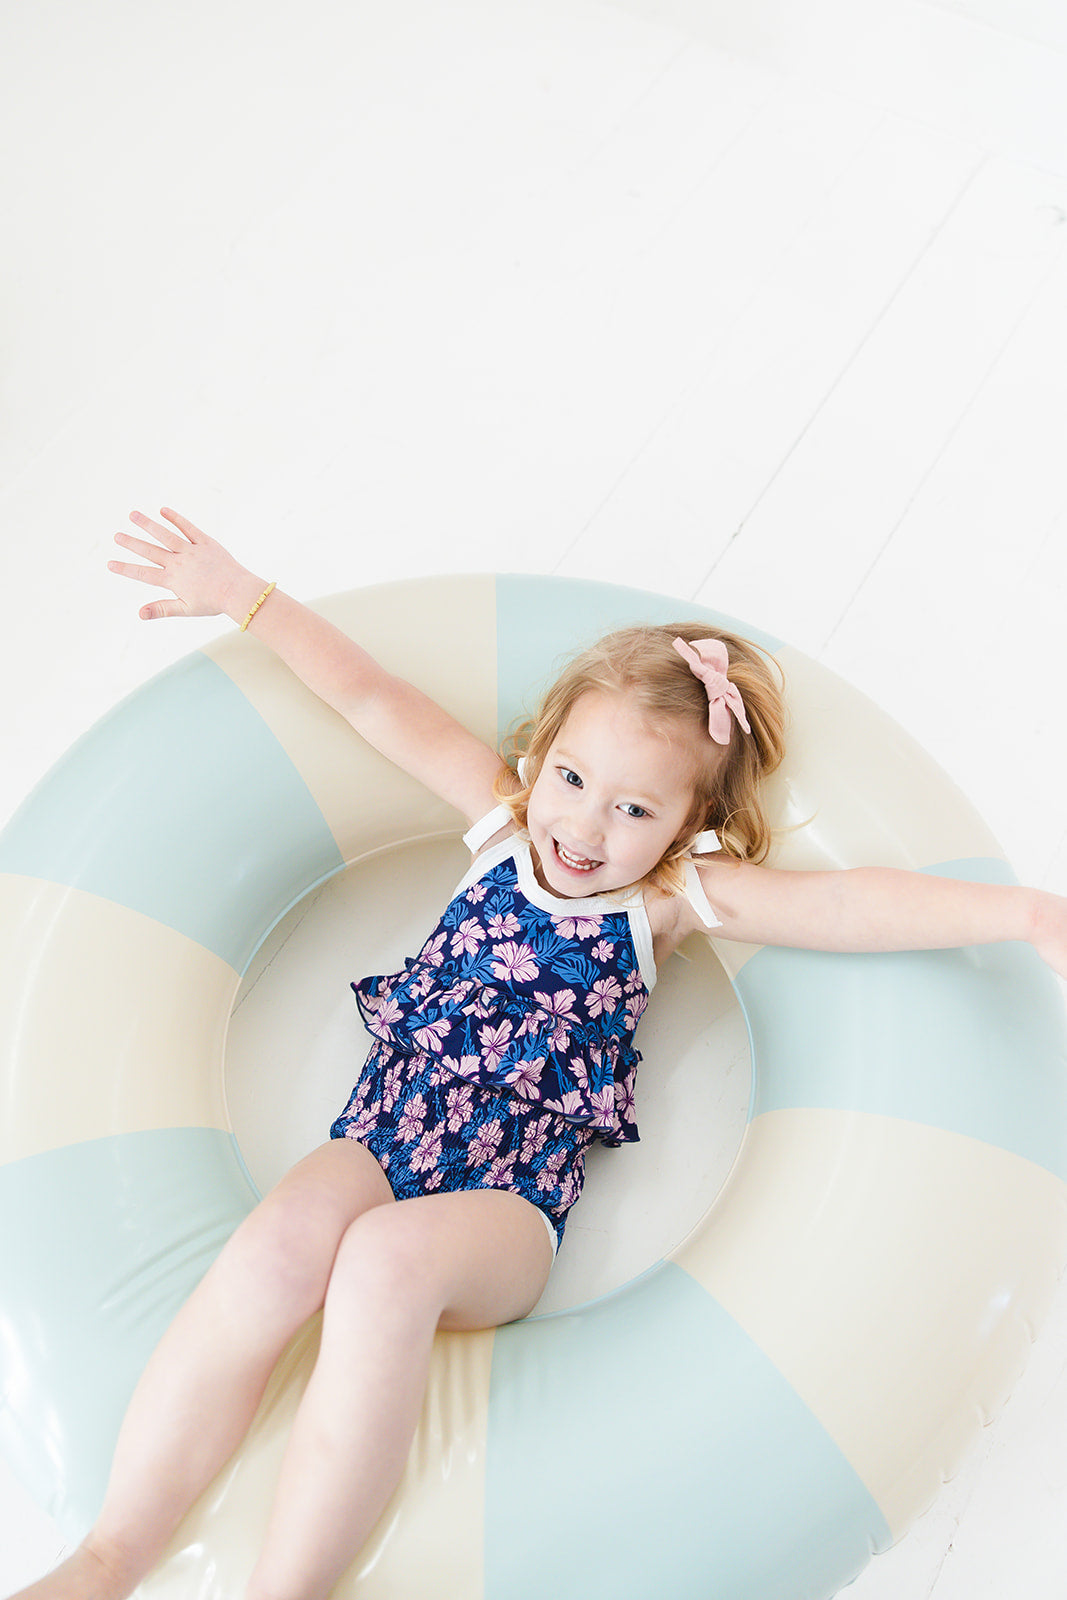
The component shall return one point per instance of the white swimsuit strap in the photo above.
(477, 834)
(705, 844)
(492, 822)
(694, 893)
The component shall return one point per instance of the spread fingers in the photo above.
(126, 569)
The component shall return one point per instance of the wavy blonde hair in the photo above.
(642, 664)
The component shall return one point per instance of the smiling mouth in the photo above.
(573, 862)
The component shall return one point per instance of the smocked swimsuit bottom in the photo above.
(433, 1133)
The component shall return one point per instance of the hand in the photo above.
(203, 577)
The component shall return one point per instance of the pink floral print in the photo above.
(468, 937)
(602, 996)
(431, 1034)
(485, 1143)
(427, 1153)
(412, 1118)
(515, 962)
(577, 927)
(508, 995)
(460, 1107)
(443, 1134)
(494, 1043)
(525, 1077)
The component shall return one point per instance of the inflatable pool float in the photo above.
(777, 1396)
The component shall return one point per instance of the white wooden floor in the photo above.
(762, 304)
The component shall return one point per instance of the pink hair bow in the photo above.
(708, 660)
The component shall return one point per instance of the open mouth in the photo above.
(575, 863)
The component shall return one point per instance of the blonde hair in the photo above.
(642, 664)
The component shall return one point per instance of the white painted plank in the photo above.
(979, 561)
(878, 434)
(989, 71)
(1042, 21)
(815, 294)
(348, 128)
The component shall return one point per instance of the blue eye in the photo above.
(635, 811)
(569, 777)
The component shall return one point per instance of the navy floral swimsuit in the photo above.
(504, 1049)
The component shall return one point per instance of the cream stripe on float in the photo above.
(435, 1519)
(105, 1041)
(861, 789)
(367, 803)
(866, 1231)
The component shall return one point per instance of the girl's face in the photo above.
(610, 799)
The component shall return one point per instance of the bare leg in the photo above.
(453, 1260)
(200, 1390)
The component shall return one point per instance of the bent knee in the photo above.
(385, 1255)
(288, 1243)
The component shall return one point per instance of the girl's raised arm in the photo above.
(390, 713)
(880, 908)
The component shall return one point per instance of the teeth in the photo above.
(578, 863)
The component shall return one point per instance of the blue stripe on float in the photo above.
(972, 1041)
(736, 1490)
(542, 621)
(181, 804)
(91, 1278)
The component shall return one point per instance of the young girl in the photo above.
(501, 1051)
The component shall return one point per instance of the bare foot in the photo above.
(85, 1575)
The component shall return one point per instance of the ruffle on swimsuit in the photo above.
(517, 990)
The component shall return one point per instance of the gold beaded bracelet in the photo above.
(268, 590)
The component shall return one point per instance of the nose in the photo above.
(585, 821)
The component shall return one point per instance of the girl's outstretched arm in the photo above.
(880, 908)
(390, 713)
